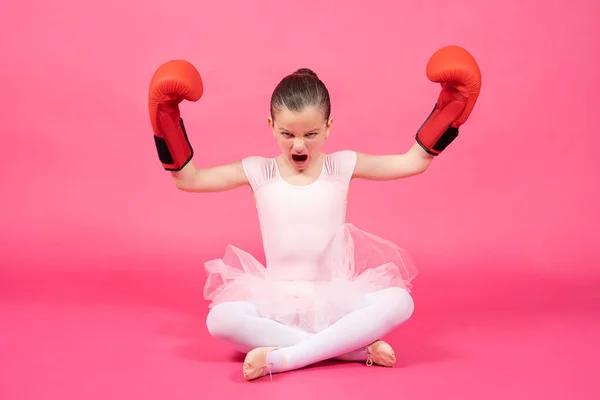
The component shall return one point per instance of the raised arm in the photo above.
(392, 166)
(173, 82)
(459, 75)
(212, 179)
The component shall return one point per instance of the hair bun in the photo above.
(305, 71)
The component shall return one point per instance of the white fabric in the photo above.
(318, 267)
(240, 325)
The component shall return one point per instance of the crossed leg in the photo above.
(282, 348)
(240, 325)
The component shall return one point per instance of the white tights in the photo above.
(239, 324)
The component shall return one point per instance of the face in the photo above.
(300, 135)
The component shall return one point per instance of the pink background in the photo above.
(96, 242)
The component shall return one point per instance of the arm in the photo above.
(395, 166)
(212, 179)
(173, 82)
(459, 75)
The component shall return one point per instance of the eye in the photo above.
(286, 134)
(312, 134)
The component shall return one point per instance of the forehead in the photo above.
(305, 120)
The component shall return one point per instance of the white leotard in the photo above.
(298, 222)
(318, 266)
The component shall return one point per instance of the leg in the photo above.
(380, 313)
(239, 324)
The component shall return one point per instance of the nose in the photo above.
(298, 145)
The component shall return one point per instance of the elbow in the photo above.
(413, 172)
(182, 185)
(421, 169)
(416, 168)
(422, 166)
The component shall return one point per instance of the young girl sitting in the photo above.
(329, 290)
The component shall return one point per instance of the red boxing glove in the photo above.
(172, 83)
(458, 73)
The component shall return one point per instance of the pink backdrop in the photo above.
(504, 218)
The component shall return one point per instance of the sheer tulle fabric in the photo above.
(353, 264)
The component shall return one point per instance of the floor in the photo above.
(114, 334)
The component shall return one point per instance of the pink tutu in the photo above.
(354, 263)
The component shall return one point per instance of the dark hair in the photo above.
(299, 90)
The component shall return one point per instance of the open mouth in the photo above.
(299, 157)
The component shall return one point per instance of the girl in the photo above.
(331, 290)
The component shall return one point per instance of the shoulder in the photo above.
(344, 156)
(259, 170)
(341, 164)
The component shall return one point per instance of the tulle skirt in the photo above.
(354, 264)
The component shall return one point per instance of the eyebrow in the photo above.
(287, 130)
